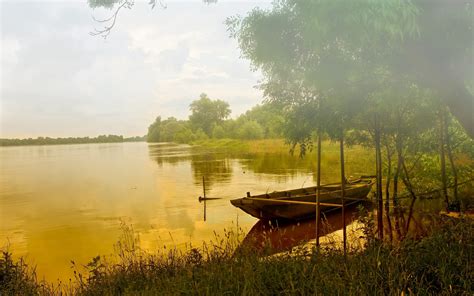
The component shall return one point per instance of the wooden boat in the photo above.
(297, 204)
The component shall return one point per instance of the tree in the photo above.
(206, 113)
(431, 41)
(218, 132)
(154, 131)
(269, 117)
(251, 130)
(117, 5)
(170, 128)
(331, 42)
(338, 51)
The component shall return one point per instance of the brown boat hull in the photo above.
(276, 206)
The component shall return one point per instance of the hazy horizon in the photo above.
(58, 81)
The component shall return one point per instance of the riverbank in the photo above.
(267, 146)
(439, 263)
(47, 141)
(250, 146)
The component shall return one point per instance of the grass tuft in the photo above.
(437, 264)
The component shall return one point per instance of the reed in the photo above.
(439, 263)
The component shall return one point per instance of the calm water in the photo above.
(63, 203)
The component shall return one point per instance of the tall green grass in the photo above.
(438, 264)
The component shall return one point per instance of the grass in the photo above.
(248, 146)
(272, 155)
(438, 264)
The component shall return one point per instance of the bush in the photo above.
(200, 135)
(250, 130)
(16, 278)
(184, 136)
(438, 264)
(218, 132)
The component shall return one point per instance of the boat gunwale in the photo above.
(349, 187)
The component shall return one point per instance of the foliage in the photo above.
(185, 135)
(200, 135)
(218, 132)
(170, 128)
(269, 117)
(206, 113)
(109, 4)
(436, 264)
(16, 278)
(154, 131)
(339, 49)
(250, 130)
(70, 140)
(360, 68)
(208, 120)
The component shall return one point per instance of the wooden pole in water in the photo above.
(204, 187)
(318, 189)
(343, 184)
(204, 190)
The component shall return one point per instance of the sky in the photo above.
(57, 80)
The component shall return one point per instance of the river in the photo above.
(68, 202)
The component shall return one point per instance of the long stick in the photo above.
(387, 191)
(396, 206)
(343, 184)
(318, 189)
(378, 165)
(297, 202)
(443, 160)
(408, 185)
(450, 153)
(204, 189)
(333, 193)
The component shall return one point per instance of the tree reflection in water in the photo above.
(271, 237)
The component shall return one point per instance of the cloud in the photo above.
(57, 80)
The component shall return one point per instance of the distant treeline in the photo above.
(210, 119)
(69, 140)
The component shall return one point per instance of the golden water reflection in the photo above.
(67, 202)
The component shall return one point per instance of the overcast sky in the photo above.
(57, 80)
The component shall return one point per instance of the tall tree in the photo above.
(206, 113)
(154, 131)
(335, 41)
(428, 41)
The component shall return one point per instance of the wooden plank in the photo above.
(296, 202)
(310, 195)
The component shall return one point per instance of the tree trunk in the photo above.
(387, 191)
(343, 185)
(378, 167)
(443, 159)
(318, 190)
(409, 186)
(450, 154)
(399, 150)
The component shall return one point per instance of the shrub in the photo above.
(184, 136)
(250, 130)
(218, 132)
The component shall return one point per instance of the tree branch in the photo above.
(107, 29)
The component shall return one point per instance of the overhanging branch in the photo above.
(110, 22)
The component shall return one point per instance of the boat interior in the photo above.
(308, 190)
